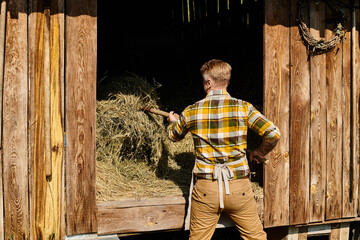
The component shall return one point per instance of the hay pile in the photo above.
(135, 159)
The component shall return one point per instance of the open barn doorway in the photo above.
(165, 43)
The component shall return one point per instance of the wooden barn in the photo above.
(302, 58)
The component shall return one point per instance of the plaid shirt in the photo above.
(219, 124)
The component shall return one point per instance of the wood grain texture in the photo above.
(55, 219)
(317, 117)
(141, 216)
(15, 100)
(348, 206)
(46, 213)
(356, 110)
(340, 231)
(299, 124)
(276, 108)
(80, 102)
(144, 215)
(2, 57)
(334, 128)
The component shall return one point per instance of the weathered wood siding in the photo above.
(15, 123)
(323, 122)
(276, 85)
(33, 120)
(46, 79)
(80, 104)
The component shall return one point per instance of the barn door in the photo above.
(313, 174)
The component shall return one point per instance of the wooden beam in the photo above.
(276, 108)
(152, 215)
(15, 122)
(81, 52)
(299, 124)
(317, 117)
(144, 215)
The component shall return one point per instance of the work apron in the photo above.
(221, 173)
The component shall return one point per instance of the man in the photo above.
(219, 124)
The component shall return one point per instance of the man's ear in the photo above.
(208, 82)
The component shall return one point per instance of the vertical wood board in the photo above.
(15, 100)
(299, 124)
(276, 107)
(317, 117)
(356, 137)
(2, 58)
(334, 129)
(46, 200)
(80, 104)
(55, 219)
(348, 207)
(37, 132)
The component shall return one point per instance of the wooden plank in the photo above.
(334, 128)
(299, 125)
(348, 206)
(297, 233)
(15, 100)
(276, 108)
(80, 102)
(356, 135)
(55, 219)
(144, 215)
(2, 58)
(37, 118)
(141, 219)
(340, 231)
(46, 201)
(317, 117)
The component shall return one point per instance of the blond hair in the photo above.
(218, 70)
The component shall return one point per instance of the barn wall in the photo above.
(313, 174)
(34, 123)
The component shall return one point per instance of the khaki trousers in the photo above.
(240, 206)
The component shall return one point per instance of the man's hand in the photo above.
(173, 117)
(256, 155)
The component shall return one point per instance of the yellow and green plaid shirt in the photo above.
(219, 124)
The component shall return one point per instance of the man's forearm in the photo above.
(265, 147)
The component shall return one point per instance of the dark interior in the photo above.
(169, 40)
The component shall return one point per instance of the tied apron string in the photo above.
(222, 173)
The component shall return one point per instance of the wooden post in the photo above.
(15, 122)
(276, 106)
(81, 46)
(317, 117)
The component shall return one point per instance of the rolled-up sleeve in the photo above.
(262, 126)
(177, 130)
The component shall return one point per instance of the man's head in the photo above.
(216, 74)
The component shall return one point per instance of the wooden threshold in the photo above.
(145, 215)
